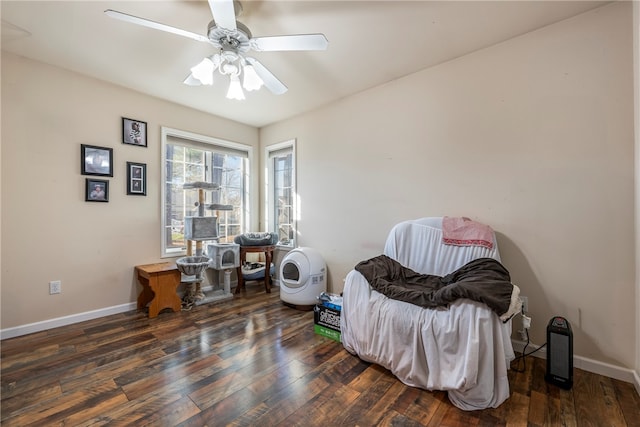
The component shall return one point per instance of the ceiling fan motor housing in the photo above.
(235, 40)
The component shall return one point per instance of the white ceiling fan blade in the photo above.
(223, 13)
(293, 42)
(155, 25)
(270, 81)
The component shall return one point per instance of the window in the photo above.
(281, 190)
(189, 158)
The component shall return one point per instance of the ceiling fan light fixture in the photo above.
(203, 72)
(235, 89)
(192, 81)
(251, 80)
(230, 69)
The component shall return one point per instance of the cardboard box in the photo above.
(327, 322)
(326, 332)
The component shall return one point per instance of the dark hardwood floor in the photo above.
(254, 361)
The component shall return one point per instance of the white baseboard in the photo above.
(586, 364)
(76, 318)
(64, 321)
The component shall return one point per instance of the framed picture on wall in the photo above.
(136, 179)
(134, 132)
(96, 160)
(96, 190)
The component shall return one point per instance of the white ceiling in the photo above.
(370, 43)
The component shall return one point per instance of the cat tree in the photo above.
(200, 229)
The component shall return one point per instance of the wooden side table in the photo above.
(268, 255)
(159, 287)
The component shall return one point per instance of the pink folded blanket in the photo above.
(466, 232)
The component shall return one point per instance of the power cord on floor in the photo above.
(524, 353)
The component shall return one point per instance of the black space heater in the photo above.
(559, 353)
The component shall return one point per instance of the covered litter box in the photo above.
(302, 277)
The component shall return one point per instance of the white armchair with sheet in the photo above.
(461, 343)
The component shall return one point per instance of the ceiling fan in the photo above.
(234, 40)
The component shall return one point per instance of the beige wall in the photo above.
(533, 136)
(48, 231)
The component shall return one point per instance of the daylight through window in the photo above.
(186, 161)
(282, 192)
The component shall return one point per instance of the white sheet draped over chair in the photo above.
(464, 349)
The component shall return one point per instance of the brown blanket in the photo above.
(484, 280)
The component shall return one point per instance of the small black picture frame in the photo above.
(136, 179)
(96, 190)
(134, 132)
(96, 160)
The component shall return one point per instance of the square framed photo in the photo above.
(136, 179)
(96, 160)
(96, 190)
(134, 132)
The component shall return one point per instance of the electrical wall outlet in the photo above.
(525, 304)
(55, 287)
(523, 334)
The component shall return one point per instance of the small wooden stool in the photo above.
(159, 287)
(268, 255)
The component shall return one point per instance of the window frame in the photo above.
(270, 220)
(198, 142)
